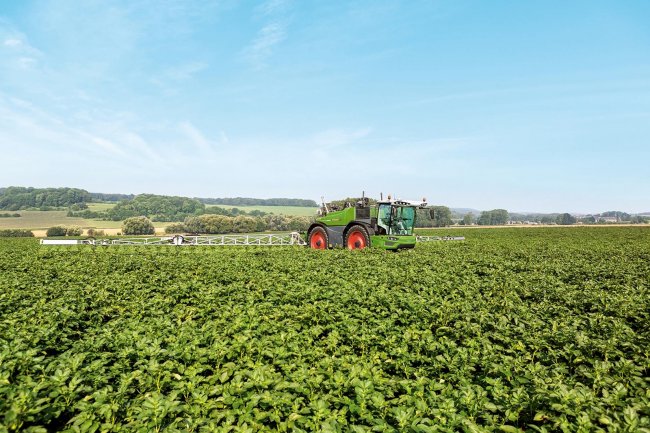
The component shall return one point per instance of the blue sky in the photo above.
(528, 106)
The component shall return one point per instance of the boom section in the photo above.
(439, 238)
(285, 239)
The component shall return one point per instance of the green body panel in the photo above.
(339, 217)
(392, 242)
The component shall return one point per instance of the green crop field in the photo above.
(541, 330)
(278, 210)
(99, 207)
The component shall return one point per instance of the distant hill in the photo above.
(228, 201)
(15, 198)
(459, 212)
(21, 198)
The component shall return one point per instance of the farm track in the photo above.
(546, 329)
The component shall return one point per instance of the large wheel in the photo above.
(357, 238)
(318, 239)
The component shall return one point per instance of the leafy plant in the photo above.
(543, 329)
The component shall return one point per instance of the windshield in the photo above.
(401, 221)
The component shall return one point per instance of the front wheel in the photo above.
(357, 238)
(318, 238)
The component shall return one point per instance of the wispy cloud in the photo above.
(197, 138)
(261, 49)
(332, 138)
(17, 49)
(33, 130)
(105, 144)
(185, 71)
(12, 42)
(272, 33)
(137, 142)
(26, 62)
(273, 7)
(171, 79)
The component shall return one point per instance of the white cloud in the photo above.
(26, 62)
(197, 137)
(137, 142)
(12, 42)
(18, 53)
(261, 49)
(27, 129)
(273, 7)
(105, 144)
(17, 41)
(272, 33)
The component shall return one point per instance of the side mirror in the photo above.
(393, 212)
(432, 214)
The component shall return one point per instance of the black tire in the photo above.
(356, 238)
(318, 238)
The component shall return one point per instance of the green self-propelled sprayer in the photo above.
(388, 224)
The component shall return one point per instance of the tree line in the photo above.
(220, 224)
(64, 231)
(441, 217)
(156, 207)
(247, 201)
(177, 209)
(15, 198)
(16, 233)
(102, 197)
(159, 209)
(495, 217)
(568, 219)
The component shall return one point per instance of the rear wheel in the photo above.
(318, 238)
(357, 238)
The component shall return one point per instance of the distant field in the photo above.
(45, 219)
(278, 210)
(98, 207)
(40, 220)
